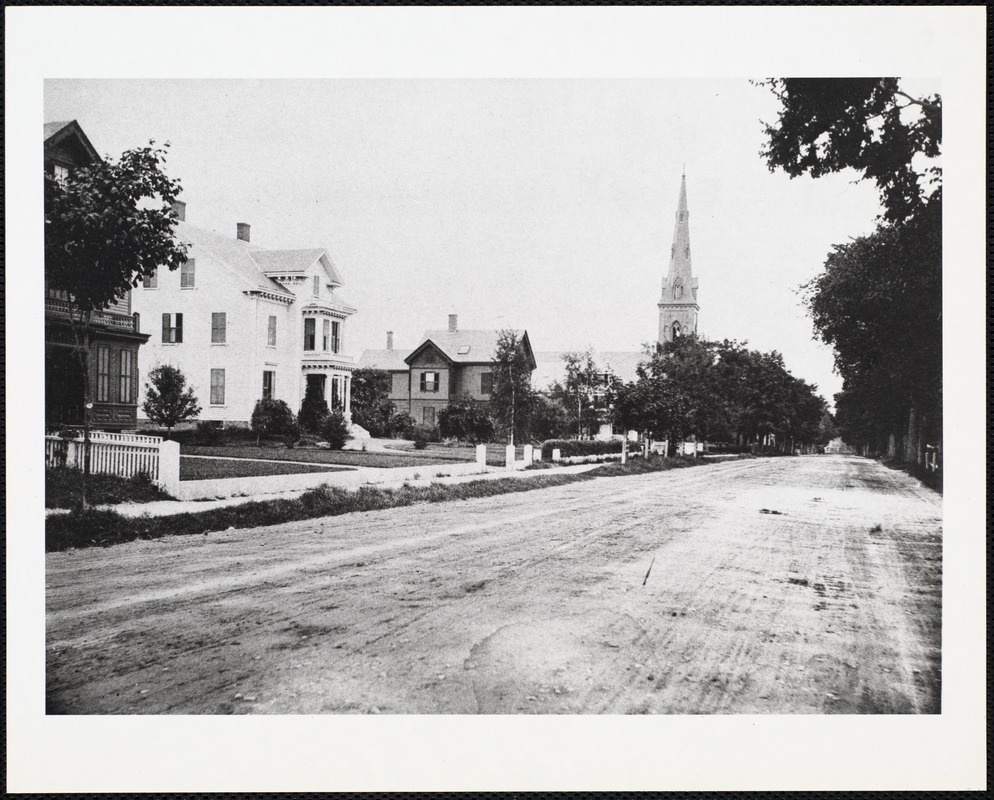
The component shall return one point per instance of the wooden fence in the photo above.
(110, 454)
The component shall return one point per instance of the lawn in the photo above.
(462, 452)
(346, 458)
(205, 469)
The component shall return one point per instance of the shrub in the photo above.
(421, 437)
(273, 418)
(209, 432)
(313, 410)
(402, 426)
(335, 430)
(465, 420)
(577, 447)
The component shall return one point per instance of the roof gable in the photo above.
(473, 346)
(69, 135)
(426, 347)
(233, 254)
(297, 262)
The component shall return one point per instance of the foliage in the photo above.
(466, 420)
(168, 400)
(577, 393)
(549, 420)
(718, 391)
(64, 486)
(371, 407)
(335, 430)
(401, 425)
(209, 432)
(424, 434)
(511, 398)
(577, 447)
(867, 124)
(110, 224)
(273, 418)
(313, 409)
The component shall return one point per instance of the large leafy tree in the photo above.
(577, 391)
(511, 397)
(879, 300)
(107, 226)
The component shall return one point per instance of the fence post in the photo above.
(624, 450)
(556, 454)
(529, 454)
(169, 466)
(481, 455)
(509, 456)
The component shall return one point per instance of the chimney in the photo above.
(453, 323)
(243, 231)
(389, 340)
(180, 208)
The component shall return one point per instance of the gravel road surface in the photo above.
(804, 585)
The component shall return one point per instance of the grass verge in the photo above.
(346, 458)
(103, 528)
(204, 469)
(64, 489)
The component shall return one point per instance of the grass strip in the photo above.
(102, 528)
(64, 489)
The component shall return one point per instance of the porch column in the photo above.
(348, 397)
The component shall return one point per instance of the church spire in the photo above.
(678, 305)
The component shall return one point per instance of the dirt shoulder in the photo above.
(770, 591)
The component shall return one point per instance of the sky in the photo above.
(546, 205)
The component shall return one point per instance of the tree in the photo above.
(106, 227)
(549, 420)
(371, 407)
(168, 400)
(867, 124)
(313, 409)
(511, 397)
(465, 419)
(878, 301)
(577, 391)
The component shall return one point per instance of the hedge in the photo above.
(578, 447)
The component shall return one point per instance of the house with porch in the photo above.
(115, 335)
(244, 322)
(446, 364)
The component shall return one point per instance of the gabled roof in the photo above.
(236, 255)
(468, 347)
(392, 360)
(296, 262)
(57, 132)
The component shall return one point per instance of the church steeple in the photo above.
(678, 304)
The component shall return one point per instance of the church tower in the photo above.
(678, 305)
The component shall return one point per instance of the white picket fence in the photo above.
(110, 454)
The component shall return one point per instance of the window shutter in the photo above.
(179, 328)
(165, 327)
(424, 382)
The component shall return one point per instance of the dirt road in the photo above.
(790, 585)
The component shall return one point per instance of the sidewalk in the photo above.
(165, 508)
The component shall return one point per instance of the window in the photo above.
(429, 416)
(172, 328)
(309, 334)
(317, 285)
(337, 393)
(486, 383)
(126, 378)
(217, 387)
(676, 330)
(60, 173)
(103, 374)
(151, 281)
(268, 384)
(429, 382)
(326, 335)
(219, 327)
(272, 331)
(336, 336)
(187, 274)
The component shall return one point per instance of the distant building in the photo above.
(445, 365)
(243, 323)
(678, 308)
(115, 334)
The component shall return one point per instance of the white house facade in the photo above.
(243, 323)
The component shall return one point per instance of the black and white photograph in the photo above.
(480, 400)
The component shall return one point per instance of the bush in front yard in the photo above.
(402, 425)
(335, 430)
(466, 420)
(313, 410)
(578, 447)
(274, 418)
